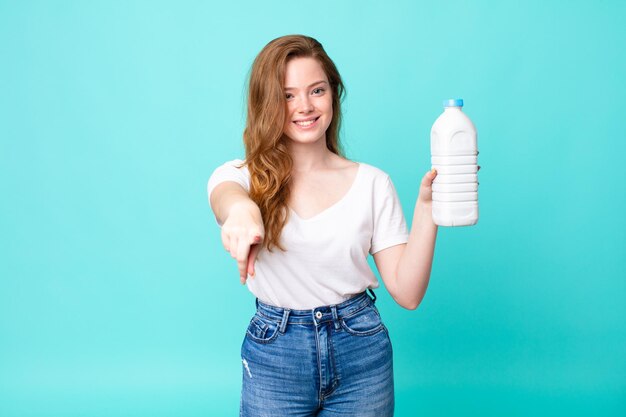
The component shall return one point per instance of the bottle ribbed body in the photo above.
(454, 154)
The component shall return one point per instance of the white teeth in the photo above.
(305, 124)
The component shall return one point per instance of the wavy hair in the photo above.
(267, 156)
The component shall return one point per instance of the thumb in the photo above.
(254, 251)
(429, 177)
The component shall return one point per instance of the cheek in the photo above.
(329, 109)
(288, 113)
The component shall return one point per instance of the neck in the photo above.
(309, 156)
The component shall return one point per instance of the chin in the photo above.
(305, 139)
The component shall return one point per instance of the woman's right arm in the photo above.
(242, 224)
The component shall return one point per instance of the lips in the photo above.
(306, 122)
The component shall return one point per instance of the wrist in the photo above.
(424, 210)
(424, 205)
(244, 207)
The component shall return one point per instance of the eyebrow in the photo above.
(315, 83)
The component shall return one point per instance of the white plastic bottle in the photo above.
(454, 152)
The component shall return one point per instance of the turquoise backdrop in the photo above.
(116, 296)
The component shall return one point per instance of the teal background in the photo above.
(116, 296)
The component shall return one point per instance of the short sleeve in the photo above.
(229, 171)
(389, 223)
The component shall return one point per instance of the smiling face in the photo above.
(309, 100)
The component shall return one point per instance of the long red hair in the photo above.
(267, 157)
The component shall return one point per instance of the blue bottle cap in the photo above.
(453, 102)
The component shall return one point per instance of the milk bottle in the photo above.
(454, 153)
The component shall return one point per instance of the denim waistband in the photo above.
(316, 315)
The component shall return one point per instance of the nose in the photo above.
(304, 104)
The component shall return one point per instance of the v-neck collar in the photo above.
(334, 205)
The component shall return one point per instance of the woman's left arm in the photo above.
(405, 269)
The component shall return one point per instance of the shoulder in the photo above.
(233, 170)
(375, 174)
(234, 165)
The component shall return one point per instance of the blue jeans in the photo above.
(329, 361)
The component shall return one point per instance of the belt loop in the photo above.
(335, 317)
(283, 323)
(373, 295)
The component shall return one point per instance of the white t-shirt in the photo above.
(326, 258)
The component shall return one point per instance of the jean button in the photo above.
(318, 315)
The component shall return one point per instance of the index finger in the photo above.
(242, 257)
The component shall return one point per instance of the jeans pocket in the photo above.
(364, 323)
(262, 329)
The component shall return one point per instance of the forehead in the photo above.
(301, 72)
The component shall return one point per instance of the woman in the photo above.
(300, 219)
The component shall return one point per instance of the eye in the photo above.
(318, 90)
(288, 96)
